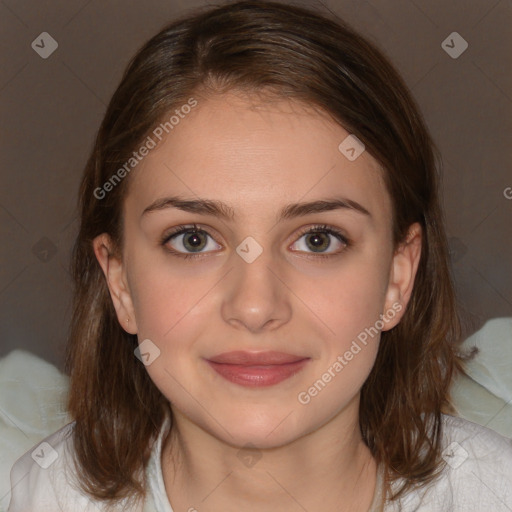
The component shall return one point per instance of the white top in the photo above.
(477, 477)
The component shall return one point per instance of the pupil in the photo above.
(193, 240)
(315, 241)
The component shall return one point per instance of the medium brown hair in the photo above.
(299, 54)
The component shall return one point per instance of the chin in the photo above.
(261, 431)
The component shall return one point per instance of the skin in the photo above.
(258, 156)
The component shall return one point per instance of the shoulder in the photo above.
(478, 439)
(477, 475)
(43, 479)
(478, 451)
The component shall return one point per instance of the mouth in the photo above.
(257, 369)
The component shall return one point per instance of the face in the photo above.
(256, 275)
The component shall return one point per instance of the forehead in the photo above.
(256, 155)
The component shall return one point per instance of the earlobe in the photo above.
(113, 270)
(402, 275)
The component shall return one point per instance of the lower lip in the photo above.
(258, 376)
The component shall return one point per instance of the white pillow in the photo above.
(492, 366)
(32, 406)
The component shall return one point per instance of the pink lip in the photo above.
(241, 357)
(257, 369)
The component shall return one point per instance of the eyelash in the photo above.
(319, 228)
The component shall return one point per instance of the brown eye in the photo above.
(190, 240)
(194, 241)
(319, 240)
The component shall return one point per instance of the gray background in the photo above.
(51, 109)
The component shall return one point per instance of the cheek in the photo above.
(170, 308)
(350, 300)
(156, 304)
(169, 313)
(350, 306)
(155, 296)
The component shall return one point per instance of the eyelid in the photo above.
(323, 228)
(186, 228)
(193, 226)
(183, 229)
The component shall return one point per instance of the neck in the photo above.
(331, 467)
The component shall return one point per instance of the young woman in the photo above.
(264, 316)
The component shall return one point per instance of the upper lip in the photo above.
(255, 358)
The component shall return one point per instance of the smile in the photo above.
(256, 370)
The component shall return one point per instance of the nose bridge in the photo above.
(255, 297)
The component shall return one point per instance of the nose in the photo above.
(256, 297)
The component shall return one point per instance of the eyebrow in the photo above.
(223, 211)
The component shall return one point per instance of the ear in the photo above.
(113, 270)
(401, 279)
